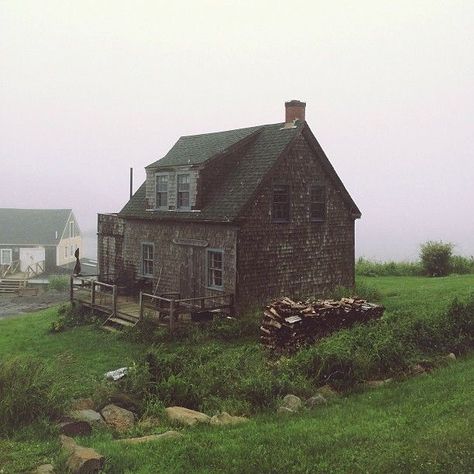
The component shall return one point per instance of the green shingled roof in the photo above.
(32, 226)
(196, 149)
(228, 198)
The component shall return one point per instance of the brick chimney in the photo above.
(294, 111)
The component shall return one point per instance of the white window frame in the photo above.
(157, 175)
(2, 260)
(188, 207)
(142, 259)
(210, 270)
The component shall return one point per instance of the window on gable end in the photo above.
(71, 229)
(215, 269)
(147, 259)
(281, 202)
(162, 191)
(183, 191)
(318, 202)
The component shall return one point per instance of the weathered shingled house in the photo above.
(257, 212)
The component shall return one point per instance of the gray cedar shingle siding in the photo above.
(233, 173)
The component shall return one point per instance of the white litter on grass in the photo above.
(116, 374)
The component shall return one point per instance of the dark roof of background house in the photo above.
(196, 149)
(263, 147)
(226, 200)
(32, 226)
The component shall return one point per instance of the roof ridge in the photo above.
(229, 130)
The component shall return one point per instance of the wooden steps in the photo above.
(116, 322)
(11, 285)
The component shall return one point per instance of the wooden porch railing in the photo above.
(105, 297)
(9, 269)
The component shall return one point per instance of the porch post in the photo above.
(114, 299)
(140, 300)
(171, 316)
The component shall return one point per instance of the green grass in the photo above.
(420, 294)
(422, 425)
(80, 355)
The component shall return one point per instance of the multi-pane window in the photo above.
(183, 191)
(71, 229)
(162, 191)
(281, 202)
(318, 202)
(5, 256)
(215, 269)
(147, 259)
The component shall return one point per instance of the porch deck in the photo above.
(168, 309)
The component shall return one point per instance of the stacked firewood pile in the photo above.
(288, 325)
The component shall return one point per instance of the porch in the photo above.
(122, 310)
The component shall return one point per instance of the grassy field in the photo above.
(420, 425)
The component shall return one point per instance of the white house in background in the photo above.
(38, 239)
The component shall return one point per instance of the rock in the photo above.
(155, 437)
(225, 419)
(451, 355)
(83, 404)
(118, 418)
(185, 416)
(285, 411)
(292, 402)
(417, 369)
(81, 460)
(44, 469)
(327, 391)
(90, 416)
(75, 428)
(125, 401)
(315, 401)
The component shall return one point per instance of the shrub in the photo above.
(58, 282)
(70, 316)
(436, 258)
(28, 392)
(366, 267)
(462, 265)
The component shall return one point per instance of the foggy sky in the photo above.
(91, 88)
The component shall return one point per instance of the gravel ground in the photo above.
(11, 305)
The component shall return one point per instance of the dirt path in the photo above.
(12, 305)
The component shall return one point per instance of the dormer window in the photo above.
(162, 191)
(183, 191)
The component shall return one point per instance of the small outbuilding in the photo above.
(33, 241)
(256, 212)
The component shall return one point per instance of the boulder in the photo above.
(154, 437)
(327, 391)
(83, 404)
(185, 416)
(75, 428)
(292, 402)
(81, 460)
(90, 416)
(285, 411)
(44, 469)
(126, 401)
(118, 418)
(417, 369)
(225, 419)
(315, 401)
(451, 356)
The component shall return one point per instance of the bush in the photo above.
(462, 265)
(70, 316)
(366, 267)
(58, 282)
(28, 392)
(436, 258)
